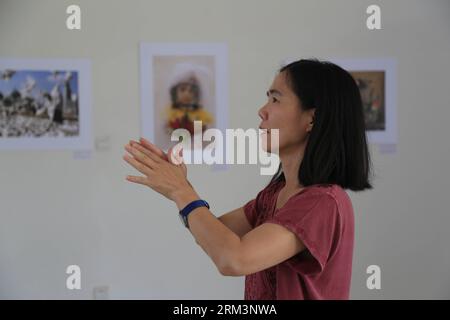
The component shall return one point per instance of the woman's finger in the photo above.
(149, 161)
(150, 153)
(175, 154)
(137, 179)
(147, 144)
(139, 166)
(183, 166)
(145, 151)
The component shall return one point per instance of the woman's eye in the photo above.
(274, 100)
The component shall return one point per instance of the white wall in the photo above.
(56, 210)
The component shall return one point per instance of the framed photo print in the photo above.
(377, 82)
(45, 104)
(182, 83)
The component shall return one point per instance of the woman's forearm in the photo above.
(217, 240)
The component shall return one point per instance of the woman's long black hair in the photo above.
(336, 151)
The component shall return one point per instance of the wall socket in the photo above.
(101, 293)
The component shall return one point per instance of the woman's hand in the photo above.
(161, 173)
(150, 146)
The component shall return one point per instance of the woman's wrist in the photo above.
(183, 196)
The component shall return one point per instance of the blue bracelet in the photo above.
(188, 209)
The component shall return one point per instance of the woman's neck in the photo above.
(290, 163)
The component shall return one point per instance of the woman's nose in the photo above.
(262, 113)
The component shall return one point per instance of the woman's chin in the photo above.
(269, 148)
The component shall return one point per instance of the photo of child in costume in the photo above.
(186, 106)
(183, 92)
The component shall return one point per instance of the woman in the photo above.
(295, 239)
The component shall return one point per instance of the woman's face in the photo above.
(283, 111)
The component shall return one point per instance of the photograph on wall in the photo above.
(180, 84)
(371, 87)
(44, 104)
(377, 83)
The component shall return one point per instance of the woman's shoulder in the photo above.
(324, 195)
(328, 188)
(324, 191)
(333, 194)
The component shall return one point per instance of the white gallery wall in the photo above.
(58, 209)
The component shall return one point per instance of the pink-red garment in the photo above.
(321, 216)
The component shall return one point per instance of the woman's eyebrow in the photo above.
(273, 92)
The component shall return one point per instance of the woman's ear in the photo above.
(311, 120)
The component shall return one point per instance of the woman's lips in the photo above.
(264, 132)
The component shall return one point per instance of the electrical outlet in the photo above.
(101, 293)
